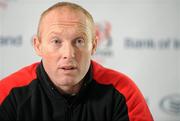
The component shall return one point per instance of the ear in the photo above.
(37, 45)
(94, 45)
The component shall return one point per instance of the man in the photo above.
(67, 84)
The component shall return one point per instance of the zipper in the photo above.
(68, 113)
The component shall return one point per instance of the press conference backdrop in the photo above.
(140, 38)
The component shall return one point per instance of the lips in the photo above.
(68, 67)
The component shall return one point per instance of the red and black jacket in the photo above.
(106, 95)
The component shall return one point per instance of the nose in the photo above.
(68, 51)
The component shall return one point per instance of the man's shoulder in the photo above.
(27, 71)
(19, 78)
(107, 75)
(121, 82)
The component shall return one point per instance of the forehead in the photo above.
(64, 17)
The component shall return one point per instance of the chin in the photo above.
(67, 82)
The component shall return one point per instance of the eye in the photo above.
(79, 42)
(56, 41)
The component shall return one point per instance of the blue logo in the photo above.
(11, 40)
(171, 104)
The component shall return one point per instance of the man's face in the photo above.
(66, 46)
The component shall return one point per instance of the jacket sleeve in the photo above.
(120, 110)
(3, 114)
(137, 107)
(8, 109)
(136, 104)
(7, 97)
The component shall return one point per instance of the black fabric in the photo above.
(40, 100)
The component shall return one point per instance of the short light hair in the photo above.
(72, 6)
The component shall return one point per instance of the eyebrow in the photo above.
(77, 35)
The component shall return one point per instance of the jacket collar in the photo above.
(51, 90)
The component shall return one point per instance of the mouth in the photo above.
(68, 68)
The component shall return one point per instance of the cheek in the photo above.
(49, 54)
(83, 56)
